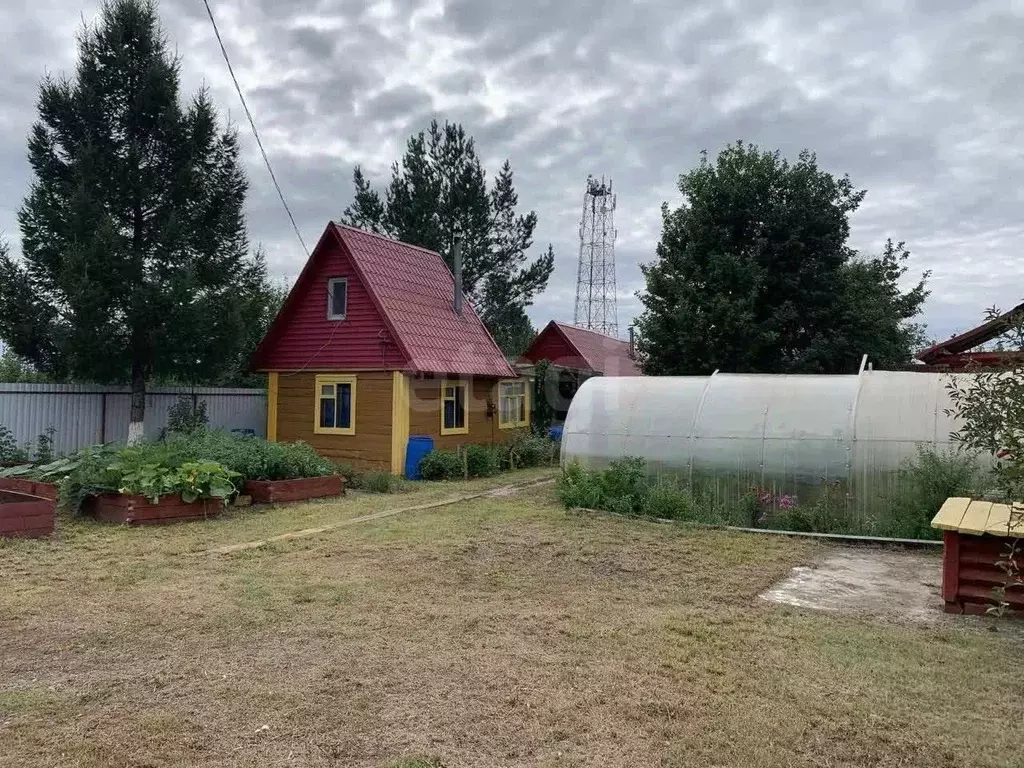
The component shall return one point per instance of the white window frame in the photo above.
(330, 298)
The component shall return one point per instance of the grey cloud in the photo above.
(917, 101)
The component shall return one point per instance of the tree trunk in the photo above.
(136, 429)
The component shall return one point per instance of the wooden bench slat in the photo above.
(976, 518)
(951, 513)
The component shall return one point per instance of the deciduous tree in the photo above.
(754, 274)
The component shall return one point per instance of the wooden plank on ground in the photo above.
(306, 532)
(976, 518)
(951, 513)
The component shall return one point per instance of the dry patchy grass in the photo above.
(496, 632)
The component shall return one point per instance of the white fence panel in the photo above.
(86, 414)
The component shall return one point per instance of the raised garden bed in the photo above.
(270, 491)
(31, 487)
(23, 515)
(138, 510)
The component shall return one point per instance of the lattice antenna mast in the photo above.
(596, 308)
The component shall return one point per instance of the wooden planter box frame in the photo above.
(30, 487)
(25, 515)
(271, 491)
(138, 510)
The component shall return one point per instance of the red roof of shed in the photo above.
(584, 349)
(950, 348)
(413, 290)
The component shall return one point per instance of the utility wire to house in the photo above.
(252, 124)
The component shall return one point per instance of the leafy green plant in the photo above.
(192, 479)
(441, 465)
(668, 501)
(579, 487)
(382, 482)
(10, 451)
(624, 485)
(253, 458)
(187, 415)
(44, 446)
(482, 460)
(528, 451)
(922, 485)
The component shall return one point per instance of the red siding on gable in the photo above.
(308, 340)
(550, 345)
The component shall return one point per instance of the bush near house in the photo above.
(487, 460)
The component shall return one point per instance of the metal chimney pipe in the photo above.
(457, 268)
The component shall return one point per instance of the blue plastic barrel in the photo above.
(556, 432)
(419, 447)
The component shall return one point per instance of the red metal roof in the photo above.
(412, 289)
(583, 349)
(943, 351)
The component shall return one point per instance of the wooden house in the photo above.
(372, 346)
(575, 355)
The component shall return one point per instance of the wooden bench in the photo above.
(976, 537)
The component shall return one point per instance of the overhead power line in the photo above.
(252, 124)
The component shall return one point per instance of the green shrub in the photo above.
(187, 415)
(624, 485)
(826, 514)
(253, 458)
(922, 485)
(441, 465)
(482, 460)
(382, 482)
(668, 501)
(10, 451)
(578, 487)
(529, 451)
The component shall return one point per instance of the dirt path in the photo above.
(504, 490)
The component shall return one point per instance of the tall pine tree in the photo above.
(440, 182)
(754, 274)
(135, 255)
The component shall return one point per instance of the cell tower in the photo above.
(595, 282)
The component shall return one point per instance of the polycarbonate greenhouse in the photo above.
(788, 433)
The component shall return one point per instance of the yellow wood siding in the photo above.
(370, 447)
(425, 413)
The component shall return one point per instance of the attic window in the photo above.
(337, 298)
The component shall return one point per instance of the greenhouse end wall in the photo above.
(792, 434)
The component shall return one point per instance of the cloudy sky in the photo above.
(920, 102)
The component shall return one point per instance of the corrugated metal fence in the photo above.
(86, 414)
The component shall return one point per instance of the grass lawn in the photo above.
(497, 632)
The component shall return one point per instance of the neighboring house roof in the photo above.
(953, 352)
(411, 290)
(582, 349)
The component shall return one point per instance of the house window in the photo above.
(454, 408)
(335, 405)
(337, 298)
(513, 404)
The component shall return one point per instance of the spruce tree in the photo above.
(135, 255)
(440, 182)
